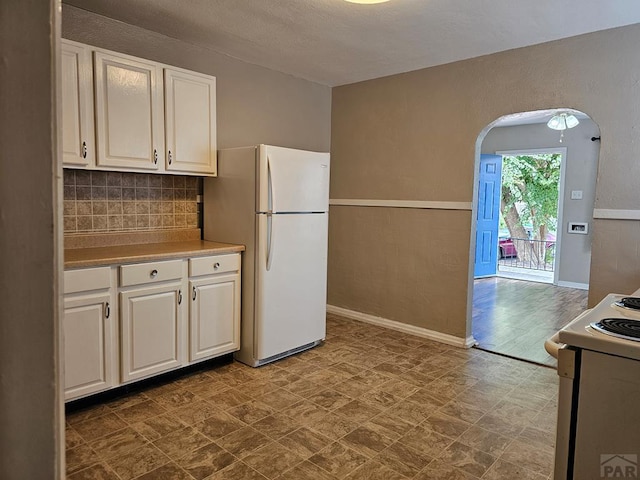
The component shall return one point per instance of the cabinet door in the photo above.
(129, 117)
(77, 106)
(151, 330)
(214, 318)
(88, 345)
(190, 122)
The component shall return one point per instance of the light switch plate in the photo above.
(576, 194)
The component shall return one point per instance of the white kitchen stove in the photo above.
(587, 330)
(599, 391)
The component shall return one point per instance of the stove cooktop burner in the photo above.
(629, 302)
(619, 327)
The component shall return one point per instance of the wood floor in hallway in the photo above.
(515, 317)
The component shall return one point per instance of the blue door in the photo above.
(488, 215)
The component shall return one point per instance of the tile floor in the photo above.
(370, 403)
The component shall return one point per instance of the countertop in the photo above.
(120, 254)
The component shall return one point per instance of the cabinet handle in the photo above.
(216, 265)
(155, 156)
(84, 149)
(169, 157)
(154, 273)
(194, 293)
(179, 297)
(107, 310)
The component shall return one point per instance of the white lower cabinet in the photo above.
(162, 325)
(151, 318)
(151, 321)
(214, 317)
(87, 345)
(89, 335)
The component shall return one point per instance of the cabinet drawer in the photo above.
(214, 264)
(152, 272)
(87, 279)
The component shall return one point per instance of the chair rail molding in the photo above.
(418, 204)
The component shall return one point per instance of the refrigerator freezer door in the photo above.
(291, 293)
(292, 180)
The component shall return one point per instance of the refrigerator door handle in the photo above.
(272, 196)
(269, 240)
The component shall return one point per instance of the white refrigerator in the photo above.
(275, 201)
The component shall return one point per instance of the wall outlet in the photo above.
(576, 194)
(578, 227)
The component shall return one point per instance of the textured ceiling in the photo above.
(334, 42)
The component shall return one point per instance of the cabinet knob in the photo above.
(155, 156)
(154, 273)
(216, 265)
(170, 157)
(179, 297)
(107, 310)
(194, 294)
(84, 149)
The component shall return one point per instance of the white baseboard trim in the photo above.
(616, 214)
(419, 204)
(403, 327)
(580, 286)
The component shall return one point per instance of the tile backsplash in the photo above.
(113, 201)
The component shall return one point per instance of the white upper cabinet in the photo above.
(129, 112)
(77, 106)
(190, 122)
(148, 116)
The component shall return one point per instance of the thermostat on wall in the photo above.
(575, 227)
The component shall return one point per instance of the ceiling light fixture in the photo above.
(562, 121)
(367, 2)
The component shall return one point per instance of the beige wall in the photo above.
(390, 262)
(30, 405)
(581, 169)
(413, 136)
(254, 104)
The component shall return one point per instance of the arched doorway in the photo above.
(513, 317)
